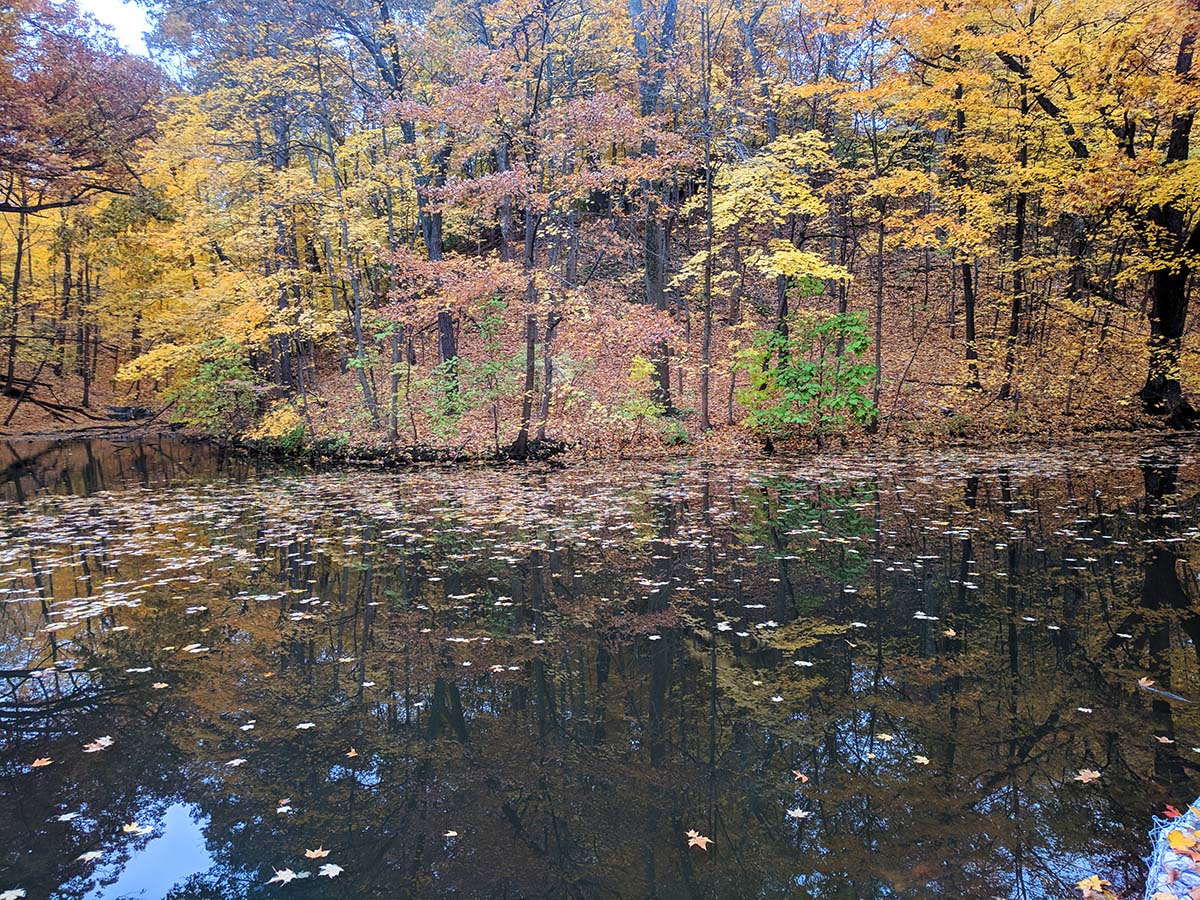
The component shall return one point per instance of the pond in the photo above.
(942, 675)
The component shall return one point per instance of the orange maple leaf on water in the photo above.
(696, 839)
(41, 762)
(1087, 776)
(319, 853)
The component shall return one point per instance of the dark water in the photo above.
(534, 682)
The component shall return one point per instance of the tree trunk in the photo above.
(16, 304)
(969, 315)
(1018, 253)
(552, 320)
(878, 324)
(1162, 394)
(520, 447)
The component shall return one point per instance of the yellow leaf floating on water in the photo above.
(1093, 888)
(1179, 841)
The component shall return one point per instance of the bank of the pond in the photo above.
(719, 445)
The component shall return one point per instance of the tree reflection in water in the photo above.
(572, 668)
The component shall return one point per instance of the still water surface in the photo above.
(859, 678)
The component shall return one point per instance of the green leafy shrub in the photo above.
(217, 395)
(800, 384)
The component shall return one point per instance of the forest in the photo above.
(504, 228)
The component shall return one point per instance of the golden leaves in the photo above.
(1179, 840)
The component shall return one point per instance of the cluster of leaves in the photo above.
(809, 377)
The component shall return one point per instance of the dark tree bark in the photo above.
(1162, 394)
(520, 447)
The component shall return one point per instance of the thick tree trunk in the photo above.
(552, 320)
(879, 243)
(60, 330)
(1162, 394)
(655, 270)
(969, 314)
(16, 304)
(1018, 274)
(520, 447)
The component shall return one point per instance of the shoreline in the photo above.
(324, 451)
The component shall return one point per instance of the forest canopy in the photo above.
(495, 227)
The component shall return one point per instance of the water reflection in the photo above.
(176, 854)
(860, 679)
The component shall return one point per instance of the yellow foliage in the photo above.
(280, 420)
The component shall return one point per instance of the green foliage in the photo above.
(800, 384)
(639, 404)
(456, 386)
(673, 433)
(218, 396)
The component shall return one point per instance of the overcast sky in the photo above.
(127, 20)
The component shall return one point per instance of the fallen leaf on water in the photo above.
(450, 834)
(800, 776)
(13, 894)
(352, 753)
(100, 743)
(1179, 841)
(922, 760)
(159, 685)
(1171, 812)
(1087, 776)
(319, 853)
(331, 870)
(282, 876)
(696, 839)
(1145, 682)
(41, 762)
(1163, 740)
(798, 813)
